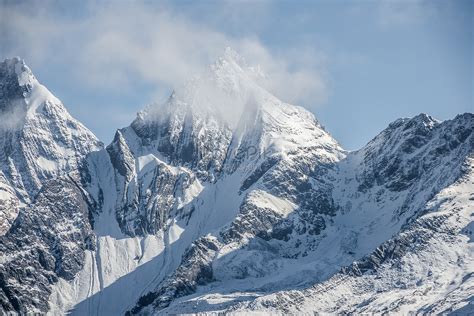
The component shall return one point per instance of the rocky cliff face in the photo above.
(225, 198)
(392, 189)
(45, 218)
(426, 267)
(39, 140)
(47, 242)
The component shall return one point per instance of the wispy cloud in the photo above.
(13, 116)
(111, 46)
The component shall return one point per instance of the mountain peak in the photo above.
(22, 95)
(17, 83)
(16, 64)
(223, 91)
(15, 69)
(231, 66)
(230, 96)
(424, 118)
(232, 55)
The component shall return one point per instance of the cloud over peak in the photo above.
(111, 47)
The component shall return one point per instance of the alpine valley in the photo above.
(225, 199)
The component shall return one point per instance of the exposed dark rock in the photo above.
(47, 241)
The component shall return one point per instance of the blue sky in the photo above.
(358, 65)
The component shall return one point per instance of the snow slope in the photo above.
(426, 268)
(226, 199)
(385, 245)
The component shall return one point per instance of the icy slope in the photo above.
(427, 268)
(243, 261)
(39, 140)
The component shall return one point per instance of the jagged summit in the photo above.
(418, 120)
(228, 92)
(423, 117)
(39, 139)
(219, 115)
(231, 63)
(21, 95)
(16, 75)
(16, 66)
(231, 55)
(17, 82)
(224, 90)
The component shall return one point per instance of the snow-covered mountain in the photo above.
(39, 140)
(401, 240)
(226, 199)
(44, 217)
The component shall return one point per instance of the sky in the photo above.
(357, 65)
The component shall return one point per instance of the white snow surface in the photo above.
(437, 278)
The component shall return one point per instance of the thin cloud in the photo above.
(112, 46)
(13, 117)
